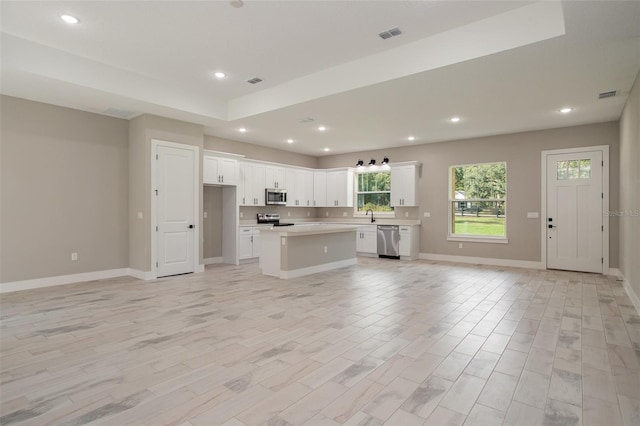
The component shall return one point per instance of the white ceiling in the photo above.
(501, 66)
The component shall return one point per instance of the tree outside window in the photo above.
(478, 200)
(373, 192)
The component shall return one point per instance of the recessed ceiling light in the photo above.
(220, 74)
(454, 119)
(242, 130)
(327, 150)
(69, 19)
(289, 140)
(322, 128)
(566, 110)
(411, 138)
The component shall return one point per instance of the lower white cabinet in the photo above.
(367, 239)
(409, 242)
(249, 247)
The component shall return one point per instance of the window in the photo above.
(478, 201)
(373, 192)
(574, 169)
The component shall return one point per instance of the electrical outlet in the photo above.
(406, 214)
(205, 215)
(308, 214)
(344, 214)
(288, 214)
(139, 215)
(74, 256)
(325, 249)
(427, 214)
(241, 215)
(460, 245)
(326, 213)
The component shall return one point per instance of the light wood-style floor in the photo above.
(383, 342)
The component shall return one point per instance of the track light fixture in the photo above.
(385, 161)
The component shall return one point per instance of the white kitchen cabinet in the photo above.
(275, 177)
(319, 189)
(340, 188)
(219, 171)
(409, 242)
(404, 185)
(251, 184)
(299, 185)
(367, 239)
(249, 242)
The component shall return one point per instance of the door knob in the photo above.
(191, 226)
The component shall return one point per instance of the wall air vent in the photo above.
(390, 33)
(609, 94)
(119, 113)
(306, 120)
(254, 80)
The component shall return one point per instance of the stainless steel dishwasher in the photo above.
(389, 241)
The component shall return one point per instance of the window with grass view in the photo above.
(374, 192)
(478, 200)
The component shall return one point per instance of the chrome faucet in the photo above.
(372, 219)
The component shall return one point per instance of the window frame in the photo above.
(366, 170)
(501, 239)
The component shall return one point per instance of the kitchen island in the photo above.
(296, 251)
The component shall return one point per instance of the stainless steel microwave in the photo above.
(275, 196)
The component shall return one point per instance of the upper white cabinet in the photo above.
(219, 170)
(404, 185)
(340, 188)
(299, 186)
(319, 189)
(275, 177)
(251, 184)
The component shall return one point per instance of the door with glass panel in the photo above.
(574, 222)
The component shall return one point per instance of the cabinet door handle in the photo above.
(243, 200)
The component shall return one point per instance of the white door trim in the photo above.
(605, 200)
(196, 202)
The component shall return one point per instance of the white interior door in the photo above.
(175, 211)
(575, 211)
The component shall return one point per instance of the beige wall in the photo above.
(521, 151)
(64, 189)
(142, 130)
(308, 250)
(629, 174)
(257, 152)
(212, 224)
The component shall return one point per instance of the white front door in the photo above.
(574, 221)
(175, 213)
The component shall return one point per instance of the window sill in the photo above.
(473, 239)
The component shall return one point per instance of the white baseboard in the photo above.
(142, 275)
(527, 264)
(212, 260)
(62, 279)
(633, 296)
(295, 273)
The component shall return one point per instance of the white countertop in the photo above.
(310, 229)
(337, 221)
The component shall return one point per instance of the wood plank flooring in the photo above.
(382, 342)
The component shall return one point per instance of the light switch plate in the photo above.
(427, 214)
(139, 215)
(205, 215)
(533, 215)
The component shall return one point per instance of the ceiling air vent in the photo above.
(390, 33)
(609, 94)
(307, 120)
(254, 80)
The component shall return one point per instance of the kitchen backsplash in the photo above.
(249, 213)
